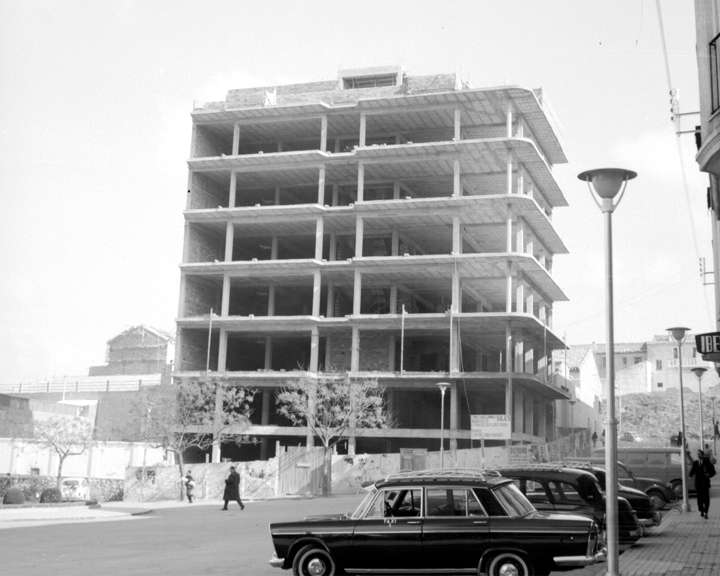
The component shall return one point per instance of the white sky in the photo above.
(95, 101)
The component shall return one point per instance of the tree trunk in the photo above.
(327, 471)
(181, 466)
(59, 475)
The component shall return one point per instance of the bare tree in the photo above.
(333, 408)
(192, 414)
(67, 436)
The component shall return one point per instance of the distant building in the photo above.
(137, 350)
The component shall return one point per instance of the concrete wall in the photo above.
(104, 460)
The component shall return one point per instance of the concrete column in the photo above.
(268, 353)
(509, 171)
(357, 292)
(229, 241)
(271, 300)
(321, 186)
(520, 236)
(359, 237)
(393, 297)
(265, 420)
(508, 227)
(236, 139)
(277, 195)
(335, 194)
(396, 190)
(508, 287)
(458, 116)
(355, 350)
(225, 303)
(332, 256)
(222, 351)
(521, 179)
(457, 189)
(274, 248)
(519, 353)
(233, 190)
(363, 129)
(457, 243)
(323, 133)
(520, 126)
(330, 309)
(391, 354)
(361, 182)
(454, 420)
(530, 302)
(316, 294)
(395, 242)
(328, 354)
(314, 348)
(520, 296)
(319, 225)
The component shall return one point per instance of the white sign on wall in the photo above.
(490, 426)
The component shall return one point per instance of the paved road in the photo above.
(186, 540)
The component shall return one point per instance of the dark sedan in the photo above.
(463, 522)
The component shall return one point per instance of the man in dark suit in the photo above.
(702, 470)
(232, 489)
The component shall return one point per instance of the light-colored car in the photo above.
(75, 489)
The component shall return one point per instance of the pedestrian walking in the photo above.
(702, 470)
(232, 489)
(189, 486)
(679, 438)
(603, 437)
(717, 431)
(594, 439)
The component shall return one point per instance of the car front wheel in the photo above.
(313, 561)
(656, 500)
(509, 564)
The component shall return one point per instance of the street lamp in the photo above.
(607, 183)
(699, 371)
(572, 423)
(712, 398)
(678, 333)
(443, 386)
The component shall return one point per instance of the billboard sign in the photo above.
(490, 426)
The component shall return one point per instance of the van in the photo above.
(75, 489)
(663, 463)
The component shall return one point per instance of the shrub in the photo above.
(50, 495)
(14, 496)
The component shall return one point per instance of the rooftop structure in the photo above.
(379, 224)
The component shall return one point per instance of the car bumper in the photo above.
(655, 520)
(580, 561)
(276, 562)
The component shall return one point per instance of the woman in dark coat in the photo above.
(232, 489)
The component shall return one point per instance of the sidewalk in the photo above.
(685, 543)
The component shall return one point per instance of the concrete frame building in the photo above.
(384, 225)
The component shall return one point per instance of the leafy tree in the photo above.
(67, 436)
(193, 413)
(333, 408)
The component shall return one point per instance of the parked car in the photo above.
(646, 512)
(439, 520)
(75, 488)
(661, 462)
(661, 493)
(561, 489)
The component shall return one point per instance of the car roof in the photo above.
(470, 477)
(547, 469)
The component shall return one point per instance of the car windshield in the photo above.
(514, 502)
(360, 510)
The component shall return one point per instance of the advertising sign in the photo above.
(490, 426)
(519, 454)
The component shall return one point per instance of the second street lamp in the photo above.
(699, 372)
(607, 183)
(678, 334)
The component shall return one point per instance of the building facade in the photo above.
(377, 225)
(137, 350)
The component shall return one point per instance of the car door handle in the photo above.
(479, 521)
(413, 521)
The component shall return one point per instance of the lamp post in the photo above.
(712, 398)
(443, 386)
(678, 333)
(572, 423)
(699, 371)
(607, 182)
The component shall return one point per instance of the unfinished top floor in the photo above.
(372, 107)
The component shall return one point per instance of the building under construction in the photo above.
(384, 225)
